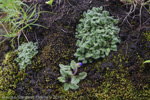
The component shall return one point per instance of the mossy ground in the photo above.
(10, 75)
(120, 76)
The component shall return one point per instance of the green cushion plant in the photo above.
(69, 77)
(26, 53)
(96, 35)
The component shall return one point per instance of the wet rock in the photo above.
(1, 53)
(49, 90)
(6, 48)
(133, 46)
(148, 45)
(131, 69)
(96, 76)
(105, 65)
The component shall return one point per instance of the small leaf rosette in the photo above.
(69, 77)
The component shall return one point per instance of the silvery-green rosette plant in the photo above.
(96, 35)
(69, 77)
(25, 54)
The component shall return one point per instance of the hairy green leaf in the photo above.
(73, 64)
(63, 67)
(82, 75)
(74, 80)
(66, 86)
(74, 86)
(62, 79)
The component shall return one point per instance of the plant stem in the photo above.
(75, 71)
(4, 27)
(25, 36)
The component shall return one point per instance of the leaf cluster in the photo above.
(26, 53)
(96, 34)
(69, 78)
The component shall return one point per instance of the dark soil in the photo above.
(57, 44)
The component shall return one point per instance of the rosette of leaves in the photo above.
(96, 34)
(69, 77)
(26, 53)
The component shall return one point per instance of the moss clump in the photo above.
(59, 49)
(55, 55)
(37, 65)
(115, 86)
(9, 75)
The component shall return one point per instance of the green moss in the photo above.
(113, 83)
(9, 75)
(145, 41)
(56, 51)
(116, 82)
(37, 64)
(147, 35)
(115, 86)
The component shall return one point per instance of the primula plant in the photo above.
(26, 53)
(69, 77)
(96, 35)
